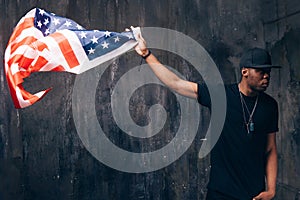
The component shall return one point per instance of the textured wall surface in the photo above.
(41, 154)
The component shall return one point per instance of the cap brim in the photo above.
(265, 66)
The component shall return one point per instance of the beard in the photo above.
(259, 88)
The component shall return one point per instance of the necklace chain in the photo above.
(249, 124)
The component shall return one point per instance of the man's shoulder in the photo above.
(231, 88)
(268, 101)
(268, 97)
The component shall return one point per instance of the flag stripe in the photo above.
(38, 64)
(58, 68)
(22, 62)
(26, 33)
(24, 42)
(53, 54)
(27, 23)
(66, 49)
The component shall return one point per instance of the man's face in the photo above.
(257, 79)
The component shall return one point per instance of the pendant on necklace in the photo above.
(251, 126)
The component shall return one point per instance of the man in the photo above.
(244, 160)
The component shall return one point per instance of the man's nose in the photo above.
(267, 75)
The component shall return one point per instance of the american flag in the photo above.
(43, 41)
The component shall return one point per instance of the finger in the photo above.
(137, 32)
(140, 37)
(258, 197)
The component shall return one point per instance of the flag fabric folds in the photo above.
(43, 41)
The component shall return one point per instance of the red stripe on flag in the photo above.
(26, 63)
(25, 95)
(12, 88)
(26, 41)
(59, 69)
(40, 45)
(30, 42)
(66, 49)
(30, 97)
(40, 62)
(21, 60)
(18, 77)
(15, 82)
(27, 23)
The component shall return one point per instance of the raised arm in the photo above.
(170, 79)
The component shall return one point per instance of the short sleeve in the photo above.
(203, 95)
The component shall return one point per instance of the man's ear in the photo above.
(245, 72)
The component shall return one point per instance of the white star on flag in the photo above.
(117, 39)
(94, 40)
(39, 24)
(91, 51)
(42, 12)
(68, 23)
(56, 21)
(79, 27)
(47, 32)
(46, 22)
(107, 33)
(82, 35)
(105, 45)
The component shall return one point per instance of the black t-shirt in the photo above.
(238, 159)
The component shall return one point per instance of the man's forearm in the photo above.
(163, 73)
(271, 169)
(170, 79)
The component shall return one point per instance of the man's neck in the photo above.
(246, 90)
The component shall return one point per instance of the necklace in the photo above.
(250, 123)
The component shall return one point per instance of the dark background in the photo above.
(41, 155)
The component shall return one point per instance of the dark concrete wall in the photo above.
(41, 155)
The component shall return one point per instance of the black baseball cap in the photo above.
(257, 58)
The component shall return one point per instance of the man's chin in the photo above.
(262, 88)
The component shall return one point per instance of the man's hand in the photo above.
(267, 195)
(141, 47)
